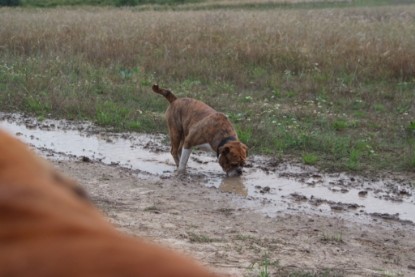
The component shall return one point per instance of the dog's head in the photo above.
(232, 157)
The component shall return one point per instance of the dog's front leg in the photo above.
(184, 157)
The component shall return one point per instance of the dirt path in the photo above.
(202, 222)
(288, 219)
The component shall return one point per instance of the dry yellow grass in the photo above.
(229, 3)
(367, 42)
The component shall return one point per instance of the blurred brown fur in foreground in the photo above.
(48, 228)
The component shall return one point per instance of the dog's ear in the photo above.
(224, 150)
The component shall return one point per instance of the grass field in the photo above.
(334, 87)
(209, 4)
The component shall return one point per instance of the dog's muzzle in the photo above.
(234, 172)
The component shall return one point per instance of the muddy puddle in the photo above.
(267, 185)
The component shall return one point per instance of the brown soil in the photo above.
(184, 214)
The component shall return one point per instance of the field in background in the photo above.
(333, 87)
(207, 4)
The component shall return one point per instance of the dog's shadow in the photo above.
(234, 185)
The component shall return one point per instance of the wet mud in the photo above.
(270, 186)
(302, 219)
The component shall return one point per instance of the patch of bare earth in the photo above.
(202, 222)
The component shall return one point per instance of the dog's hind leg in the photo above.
(176, 144)
(179, 151)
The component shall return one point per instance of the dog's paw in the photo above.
(181, 174)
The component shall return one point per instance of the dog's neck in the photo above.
(223, 142)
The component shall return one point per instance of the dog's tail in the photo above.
(165, 92)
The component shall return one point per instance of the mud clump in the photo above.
(263, 190)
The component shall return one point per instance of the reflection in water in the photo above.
(233, 185)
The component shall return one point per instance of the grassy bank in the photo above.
(332, 87)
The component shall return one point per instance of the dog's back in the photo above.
(183, 112)
(49, 229)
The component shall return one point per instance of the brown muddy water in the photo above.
(267, 185)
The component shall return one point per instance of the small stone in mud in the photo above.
(386, 216)
(352, 206)
(298, 197)
(226, 211)
(249, 165)
(265, 190)
(316, 201)
(152, 209)
(30, 125)
(274, 162)
(85, 159)
(404, 192)
(363, 193)
(336, 207)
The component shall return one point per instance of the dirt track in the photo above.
(302, 220)
(202, 222)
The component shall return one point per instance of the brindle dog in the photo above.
(192, 123)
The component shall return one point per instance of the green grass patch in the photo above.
(196, 238)
(244, 134)
(322, 273)
(411, 161)
(110, 114)
(10, 3)
(411, 127)
(332, 238)
(310, 159)
(264, 266)
(342, 124)
(37, 105)
(54, 3)
(152, 209)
